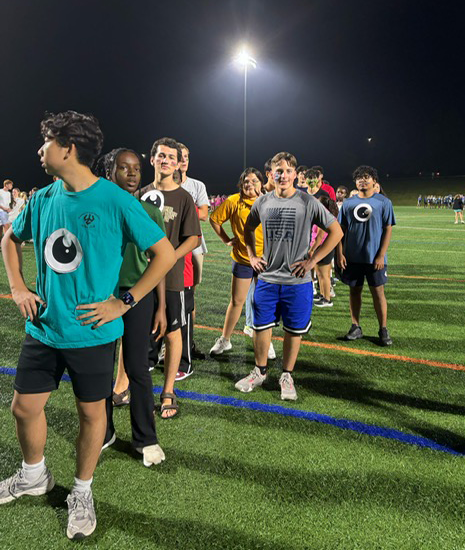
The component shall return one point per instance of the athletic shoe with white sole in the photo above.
(109, 443)
(332, 294)
(81, 515)
(17, 485)
(181, 375)
(252, 381)
(221, 344)
(153, 454)
(287, 387)
(271, 352)
(248, 331)
(323, 302)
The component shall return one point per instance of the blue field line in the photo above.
(359, 427)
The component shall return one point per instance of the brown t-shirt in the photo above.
(181, 221)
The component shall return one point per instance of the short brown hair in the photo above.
(167, 142)
(6, 182)
(183, 146)
(288, 157)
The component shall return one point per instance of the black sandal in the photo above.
(120, 399)
(173, 407)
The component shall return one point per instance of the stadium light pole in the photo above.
(245, 60)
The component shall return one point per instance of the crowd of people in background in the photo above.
(12, 203)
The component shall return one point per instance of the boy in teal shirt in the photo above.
(80, 226)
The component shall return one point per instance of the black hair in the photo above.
(311, 174)
(344, 188)
(318, 168)
(267, 167)
(72, 128)
(248, 171)
(301, 168)
(330, 205)
(167, 142)
(107, 162)
(364, 170)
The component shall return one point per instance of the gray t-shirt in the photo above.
(287, 229)
(198, 192)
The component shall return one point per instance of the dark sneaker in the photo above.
(317, 299)
(196, 353)
(355, 332)
(384, 338)
(16, 486)
(81, 515)
(324, 303)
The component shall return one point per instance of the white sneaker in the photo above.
(332, 294)
(17, 485)
(287, 387)
(248, 331)
(252, 381)
(221, 344)
(81, 515)
(153, 454)
(271, 352)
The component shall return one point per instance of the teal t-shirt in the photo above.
(79, 241)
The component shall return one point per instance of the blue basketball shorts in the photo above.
(291, 303)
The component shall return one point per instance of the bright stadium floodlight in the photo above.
(245, 60)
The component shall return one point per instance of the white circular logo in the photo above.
(362, 212)
(154, 197)
(63, 251)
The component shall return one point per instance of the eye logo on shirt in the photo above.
(363, 212)
(63, 251)
(154, 197)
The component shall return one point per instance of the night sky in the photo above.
(330, 74)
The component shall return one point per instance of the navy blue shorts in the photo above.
(355, 274)
(292, 303)
(242, 271)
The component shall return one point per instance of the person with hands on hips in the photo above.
(284, 289)
(80, 225)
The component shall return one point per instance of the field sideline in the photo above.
(371, 456)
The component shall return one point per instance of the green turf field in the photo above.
(240, 477)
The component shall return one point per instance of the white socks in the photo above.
(32, 472)
(81, 486)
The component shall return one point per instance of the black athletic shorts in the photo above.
(327, 259)
(354, 275)
(40, 368)
(175, 310)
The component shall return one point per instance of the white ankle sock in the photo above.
(32, 472)
(82, 486)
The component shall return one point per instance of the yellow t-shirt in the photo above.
(236, 210)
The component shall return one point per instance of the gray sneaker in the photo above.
(252, 381)
(81, 515)
(287, 387)
(16, 486)
(355, 332)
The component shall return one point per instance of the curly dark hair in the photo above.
(167, 142)
(318, 168)
(364, 170)
(248, 171)
(301, 168)
(72, 128)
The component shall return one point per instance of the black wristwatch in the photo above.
(128, 299)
